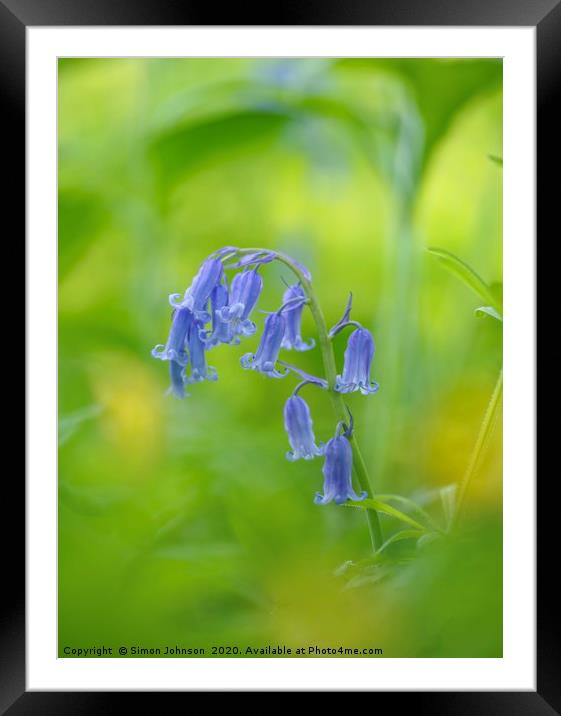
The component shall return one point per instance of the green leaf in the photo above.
(399, 537)
(497, 160)
(466, 274)
(413, 505)
(370, 504)
(488, 311)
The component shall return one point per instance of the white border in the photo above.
(516, 670)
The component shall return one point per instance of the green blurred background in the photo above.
(181, 522)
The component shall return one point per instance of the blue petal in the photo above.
(177, 378)
(319, 499)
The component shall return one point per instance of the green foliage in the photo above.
(185, 148)
(370, 504)
(182, 522)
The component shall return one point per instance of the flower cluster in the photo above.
(214, 311)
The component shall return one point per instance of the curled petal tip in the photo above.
(369, 389)
(175, 300)
(248, 328)
(341, 387)
(247, 360)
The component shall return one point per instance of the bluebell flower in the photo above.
(198, 370)
(244, 292)
(267, 354)
(175, 348)
(356, 368)
(197, 296)
(221, 331)
(292, 339)
(337, 473)
(298, 425)
(177, 379)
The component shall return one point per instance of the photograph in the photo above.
(280, 357)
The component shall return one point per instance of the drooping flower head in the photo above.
(244, 292)
(198, 368)
(174, 349)
(231, 310)
(337, 473)
(210, 300)
(221, 331)
(197, 296)
(356, 368)
(298, 425)
(177, 379)
(292, 339)
(264, 360)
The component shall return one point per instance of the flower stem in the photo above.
(481, 445)
(340, 409)
(328, 356)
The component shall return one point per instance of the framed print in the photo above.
(280, 416)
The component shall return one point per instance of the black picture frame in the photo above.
(15, 16)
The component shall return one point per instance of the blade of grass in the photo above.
(467, 275)
(481, 445)
(399, 537)
(413, 505)
(370, 504)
